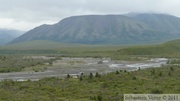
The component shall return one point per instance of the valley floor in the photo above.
(75, 66)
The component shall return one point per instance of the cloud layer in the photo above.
(27, 14)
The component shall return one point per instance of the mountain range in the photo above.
(7, 35)
(132, 28)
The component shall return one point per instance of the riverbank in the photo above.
(76, 66)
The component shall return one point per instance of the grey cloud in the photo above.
(41, 11)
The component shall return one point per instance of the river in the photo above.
(76, 66)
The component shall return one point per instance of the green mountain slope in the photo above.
(171, 48)
(108, 29)
(161, 22)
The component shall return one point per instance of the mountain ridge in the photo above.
(7, 35)
(108, 29)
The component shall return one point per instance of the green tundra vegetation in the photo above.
(17, 63)
(104, 87)
(168, 49)
(92, 87)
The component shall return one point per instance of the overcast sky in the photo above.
(27, 14)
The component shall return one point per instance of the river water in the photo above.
(76, 66)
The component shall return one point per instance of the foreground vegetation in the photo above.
(99, 87)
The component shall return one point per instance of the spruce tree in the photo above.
(91, 75)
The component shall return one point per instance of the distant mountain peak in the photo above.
(108, 29)
(7, 35)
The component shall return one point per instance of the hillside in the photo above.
(108, 29)
(8, 35)
(170, 48)
(161, 22)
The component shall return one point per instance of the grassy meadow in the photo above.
(58, 49)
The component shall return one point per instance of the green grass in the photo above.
(60, 49)
(79, 50)
(19, 63)
(109, 87)
(168, 49)
(46, 45)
